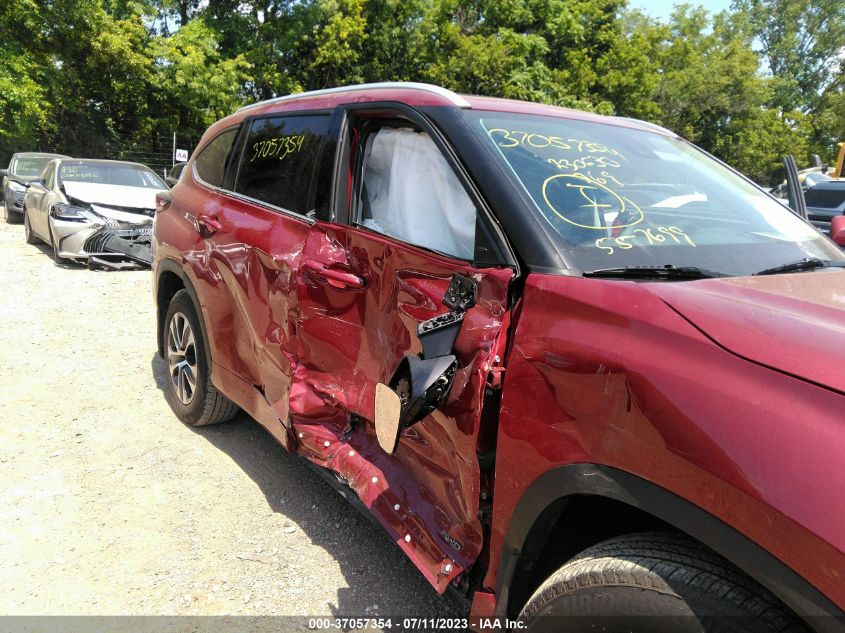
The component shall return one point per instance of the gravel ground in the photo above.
(109, 505)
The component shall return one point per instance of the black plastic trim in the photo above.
(603, 481)
(322, 184)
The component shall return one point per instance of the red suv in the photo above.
(572, 364)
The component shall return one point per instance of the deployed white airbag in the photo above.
(415, 196)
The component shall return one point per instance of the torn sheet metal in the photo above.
(351, 340)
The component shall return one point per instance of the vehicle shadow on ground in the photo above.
(376, 571)
(47, 251)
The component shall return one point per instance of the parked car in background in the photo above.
(825, 200)
(99, 211)
(175, 174)
(23, 168)
(572, 364)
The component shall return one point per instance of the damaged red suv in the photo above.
(572, 364)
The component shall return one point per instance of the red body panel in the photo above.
(792, 323)
(616, 377)
(245, 279)
(350, 340)
(728, 393)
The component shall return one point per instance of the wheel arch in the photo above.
(170, 279)
(554, 502)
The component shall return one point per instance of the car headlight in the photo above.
(69, 212)
(16, 186)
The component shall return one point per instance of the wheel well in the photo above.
(574, 506)
(569, 526)
(169, 283)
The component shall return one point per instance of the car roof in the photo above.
(40, 154)
(420, 95)
(102, 161)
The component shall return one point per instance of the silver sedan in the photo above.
(98, 211)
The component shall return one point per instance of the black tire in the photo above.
(206, 404)
(53, 248)
(655, 583)
(28, 234)
(12, 217)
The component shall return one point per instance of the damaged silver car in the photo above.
(95, 211)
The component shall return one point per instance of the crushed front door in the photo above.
(362, 297)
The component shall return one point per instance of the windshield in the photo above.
(29, 166)
(110, 174)
(611, 196)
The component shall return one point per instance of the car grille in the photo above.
(96, 243)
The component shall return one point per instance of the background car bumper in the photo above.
(81, 240)
(13, 201)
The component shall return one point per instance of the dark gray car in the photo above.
(824, 201)
(24, 167)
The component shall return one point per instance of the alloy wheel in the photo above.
(182, 357)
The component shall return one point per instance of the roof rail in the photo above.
(456, 99)
(648, 124)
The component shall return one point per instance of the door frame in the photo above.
(343, 206)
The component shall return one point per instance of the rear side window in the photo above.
(211, 162)
(279, 159)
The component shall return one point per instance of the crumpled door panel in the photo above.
(247, 274)
(426, 494)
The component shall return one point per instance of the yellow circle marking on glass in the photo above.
(624, 203)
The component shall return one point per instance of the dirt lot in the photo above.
(109, 505)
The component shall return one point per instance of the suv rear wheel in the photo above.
(654, 582)
(189, 391)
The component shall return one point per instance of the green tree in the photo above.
(109, 77)
(337, 39)
(801, 41)
(26, 113)
(544, 50)
(630, 71)
(708, 75)
(193, 84)
(756, 143)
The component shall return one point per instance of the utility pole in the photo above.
(173, 162)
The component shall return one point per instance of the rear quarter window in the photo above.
(279, 158)
(211, 162)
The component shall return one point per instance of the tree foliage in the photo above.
(101, 77)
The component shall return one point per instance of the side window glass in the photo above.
(279, 159)
(211, 162)
(410, 192)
